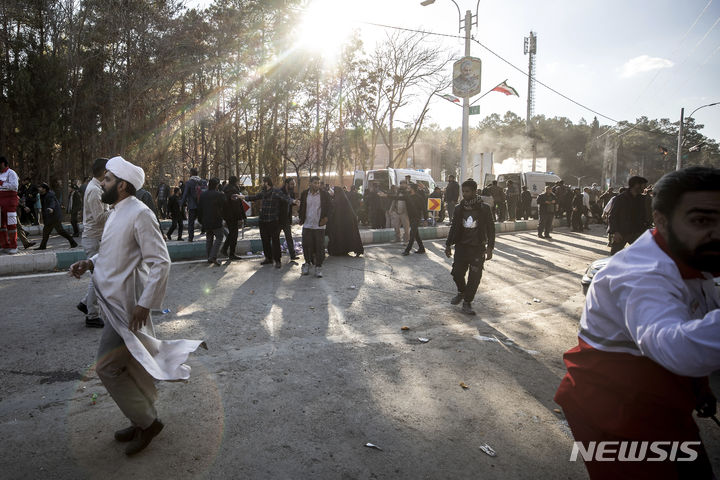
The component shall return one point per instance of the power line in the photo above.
(425, 32)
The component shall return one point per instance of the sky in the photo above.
(622, 58)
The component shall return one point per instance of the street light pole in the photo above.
(467, 25)
(466, 106)
(678, 164)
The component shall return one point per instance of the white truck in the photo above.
(387, 177)
(534, 181)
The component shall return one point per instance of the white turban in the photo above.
(125, 170)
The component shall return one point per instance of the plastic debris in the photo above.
(94, 398)
(404, 328)
(488, 449)
(556, 410)
(373, 446)
(464, 385)
(536, 300)
(352, 287)
(423, 339)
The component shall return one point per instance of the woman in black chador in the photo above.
(342, 229)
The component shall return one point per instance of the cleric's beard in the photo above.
(110, 196)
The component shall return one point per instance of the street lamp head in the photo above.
(425, 3)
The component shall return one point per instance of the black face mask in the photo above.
(110, 196)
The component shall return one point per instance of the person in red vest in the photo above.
(649, 337)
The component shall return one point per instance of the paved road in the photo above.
(303, 372)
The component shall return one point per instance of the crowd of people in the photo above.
(649, 333)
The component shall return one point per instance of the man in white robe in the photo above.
(130, 273)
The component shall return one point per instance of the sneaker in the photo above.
(143, 438)
(82, 307)
(94, 323)
(12, 251)
(305, 269)
(467, 308)
(422, 250)
(318, 272)
(456, 299)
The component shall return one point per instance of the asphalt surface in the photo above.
(303, 372)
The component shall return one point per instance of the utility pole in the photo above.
(678, 164)
(531, 50)
(466, 105)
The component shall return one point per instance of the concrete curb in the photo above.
(62, 259)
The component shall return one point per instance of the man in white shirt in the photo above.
(8, 207)
(130, 272)
(650, 336)
(95, 213)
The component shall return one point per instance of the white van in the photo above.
(534, 181)
(387, 177)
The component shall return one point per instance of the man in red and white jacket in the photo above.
(650, 335)
(8, 207)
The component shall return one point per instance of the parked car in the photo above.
(598, 265)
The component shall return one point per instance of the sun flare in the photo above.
(325, 26)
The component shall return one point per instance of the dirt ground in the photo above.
(301, 373)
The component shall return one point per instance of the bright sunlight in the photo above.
(325, 26)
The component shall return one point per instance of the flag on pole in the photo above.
(450, 98)
(506, 89)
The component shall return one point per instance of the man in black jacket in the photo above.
(473, 234)
(627, 219)
(52, 217)
(210, 210)
(452, 194)
(270, 220)
(315, 209)
(75, 207)
(176, 214)
(234, 217)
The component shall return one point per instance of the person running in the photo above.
(315, 209)
(176, 214)
(130, 272)
(649, 337)
(52, 217)
(473, 234)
